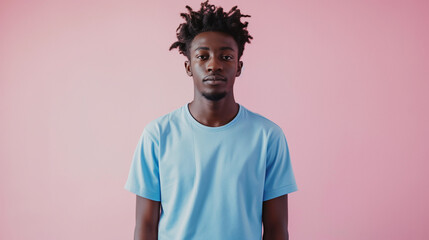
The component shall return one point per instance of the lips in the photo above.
(214, 78)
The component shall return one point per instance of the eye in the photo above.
(227, 57)
(203, 57)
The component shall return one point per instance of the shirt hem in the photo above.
(143, 193)
(280, 191)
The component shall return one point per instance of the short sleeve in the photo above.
(143, 177)
(279, 176)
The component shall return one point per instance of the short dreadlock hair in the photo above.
(211, 18)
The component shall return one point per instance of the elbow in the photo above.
(146, 232)
(280, 233)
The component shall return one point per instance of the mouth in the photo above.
(214, 81)
(214, 78)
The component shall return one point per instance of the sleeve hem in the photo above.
(143, 193)
(280, 191)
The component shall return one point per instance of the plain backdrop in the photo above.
(347, 81)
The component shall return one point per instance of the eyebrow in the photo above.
(226, 48)
(222, 48)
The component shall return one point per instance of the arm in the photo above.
(275, 219)
(147, 218)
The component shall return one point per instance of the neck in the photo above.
(214, 113)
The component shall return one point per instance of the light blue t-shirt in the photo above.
(211, 181)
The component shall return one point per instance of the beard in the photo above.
(214, 96)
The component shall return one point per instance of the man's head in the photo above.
(211, 18)
(213, 41)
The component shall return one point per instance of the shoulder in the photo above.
(160, 125)
(266, 125)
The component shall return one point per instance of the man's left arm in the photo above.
(275, 218)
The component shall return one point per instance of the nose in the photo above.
(214, 65)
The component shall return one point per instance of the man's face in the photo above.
(213, 64)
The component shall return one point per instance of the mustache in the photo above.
(217, 77)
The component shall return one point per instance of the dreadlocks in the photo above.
(211, 18)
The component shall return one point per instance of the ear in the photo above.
(240, 66)
(188, 68)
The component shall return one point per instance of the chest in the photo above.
(189, 161)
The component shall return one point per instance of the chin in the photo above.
(214, 96)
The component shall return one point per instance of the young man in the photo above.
(212, 169)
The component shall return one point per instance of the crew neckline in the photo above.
(194, 122)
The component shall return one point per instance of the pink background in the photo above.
(346, 80)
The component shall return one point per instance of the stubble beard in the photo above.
(214, 96)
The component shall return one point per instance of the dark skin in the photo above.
(213, 64)
(213, 55)
(275, 218)
(147, 218)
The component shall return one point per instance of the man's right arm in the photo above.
(147, 218)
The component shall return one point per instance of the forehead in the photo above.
(213, 40)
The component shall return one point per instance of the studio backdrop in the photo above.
(347, 81)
